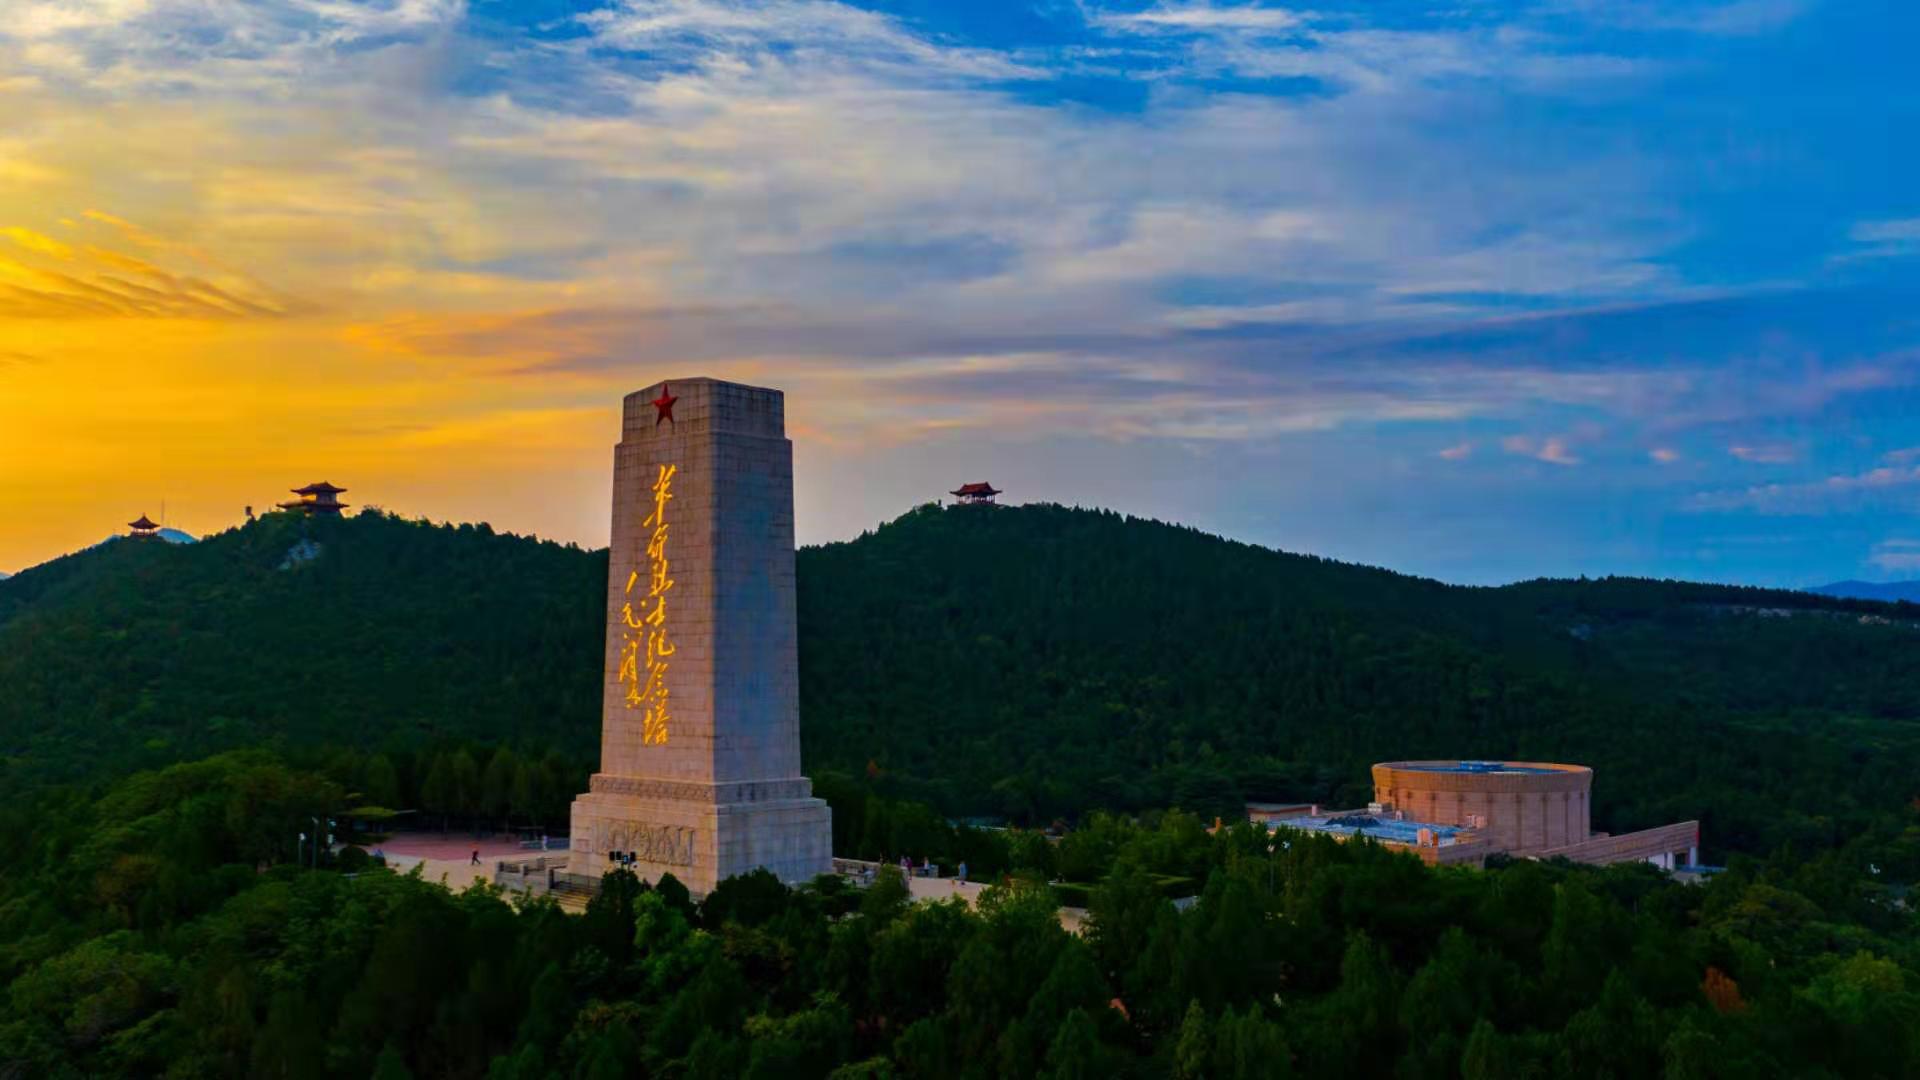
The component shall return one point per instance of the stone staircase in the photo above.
(573, 891)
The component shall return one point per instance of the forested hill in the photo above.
(347, 631)
(1028, 662)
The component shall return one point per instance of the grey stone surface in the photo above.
(710, 786)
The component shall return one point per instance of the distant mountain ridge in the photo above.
(170, 535)
(1887, 591)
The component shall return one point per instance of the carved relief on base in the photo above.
(665, 845)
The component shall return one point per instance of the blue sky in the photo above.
(1478, 290)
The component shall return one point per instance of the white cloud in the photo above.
(1201, 17)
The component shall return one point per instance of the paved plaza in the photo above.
(448, 859)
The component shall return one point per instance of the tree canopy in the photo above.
(165, 927)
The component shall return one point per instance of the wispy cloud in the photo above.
(824, 33)
(1174, 18)
(52, 279)
(1896, 555)
(1665, 455)
(1771, 453)
(1457, 452)
(37, 20)
(1884, 239)
(1840, 491)
(1553, 449)
(1737, 18)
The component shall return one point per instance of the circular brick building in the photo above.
(1522, 806)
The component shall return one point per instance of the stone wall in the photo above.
(1669, 845)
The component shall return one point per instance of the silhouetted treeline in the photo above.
(459, 785)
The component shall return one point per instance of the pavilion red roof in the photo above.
(976, 489)
(321, 488)
(143, 524)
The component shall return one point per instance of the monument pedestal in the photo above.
(698, 839)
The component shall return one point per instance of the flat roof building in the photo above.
(1462, 811)
(1434, 843)
(1523, 806)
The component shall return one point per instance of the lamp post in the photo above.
(318, 834)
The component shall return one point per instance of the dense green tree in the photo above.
(464, 792)
(141, 932)
(1076, 1052)
(381, 782)
(496, 785)
(1248, 1046)
(1121, 916)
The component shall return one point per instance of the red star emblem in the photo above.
(664, 403)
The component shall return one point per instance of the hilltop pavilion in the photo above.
(975, 494)
(320, 498)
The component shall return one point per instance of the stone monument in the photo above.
(700, 724)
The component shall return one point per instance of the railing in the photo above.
(528, 866)
(560, 881)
